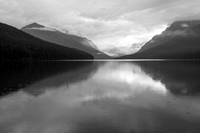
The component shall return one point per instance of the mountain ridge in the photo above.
(18, 45)
(181, 40)
(33, 25)
(68, 40)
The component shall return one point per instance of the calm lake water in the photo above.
(100, 97)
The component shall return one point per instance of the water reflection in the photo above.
(181, 78)
(17, 75)
(118, 97)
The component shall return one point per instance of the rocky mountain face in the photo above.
(179, 41)
(18, 45)
(63, 38)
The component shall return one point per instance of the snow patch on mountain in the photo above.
(184, 25)
(152, 41)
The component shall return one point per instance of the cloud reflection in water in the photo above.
(119, 97)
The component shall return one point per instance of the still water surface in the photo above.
(100, 97)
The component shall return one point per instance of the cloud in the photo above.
(109, 23)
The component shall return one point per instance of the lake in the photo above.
(100, 97)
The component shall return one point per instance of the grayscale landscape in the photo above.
(99, 66)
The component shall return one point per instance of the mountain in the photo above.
(179, 41)
(63, 38)
(18, 45)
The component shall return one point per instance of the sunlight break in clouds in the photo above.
(109, 23)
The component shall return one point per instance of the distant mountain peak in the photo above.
(183, 25)
(36, 26)
(33, 25)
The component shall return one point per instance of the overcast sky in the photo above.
(109, 23)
